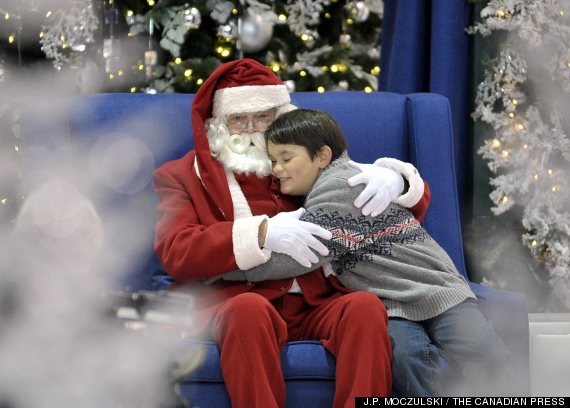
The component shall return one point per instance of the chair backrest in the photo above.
(116, 140)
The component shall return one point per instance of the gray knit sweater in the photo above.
(390, 255)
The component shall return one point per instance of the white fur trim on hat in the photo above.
(416, 190)
(249, 98)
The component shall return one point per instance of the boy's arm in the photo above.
(323, 204)
(280, 266)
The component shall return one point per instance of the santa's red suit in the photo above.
(209, 222)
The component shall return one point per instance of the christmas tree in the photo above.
(523, 99)
(173, 45)
(315, 45)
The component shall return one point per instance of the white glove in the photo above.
(383, 185)
(286, 234)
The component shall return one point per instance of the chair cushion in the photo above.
(300, 360)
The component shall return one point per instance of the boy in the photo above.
(391, 256)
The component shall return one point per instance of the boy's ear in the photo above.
(324, 156)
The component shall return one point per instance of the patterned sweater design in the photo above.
(391, 255)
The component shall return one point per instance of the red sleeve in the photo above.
(420, 208)
(189, 241)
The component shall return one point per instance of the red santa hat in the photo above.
(244, 85)
(249, 88)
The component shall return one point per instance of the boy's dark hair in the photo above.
(309, 128)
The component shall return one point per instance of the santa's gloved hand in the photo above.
(286, 234)
(383, 185)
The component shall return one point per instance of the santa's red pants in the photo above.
(250, 331)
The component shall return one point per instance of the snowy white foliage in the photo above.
(530, 155)
(71, 28)
(304, 14)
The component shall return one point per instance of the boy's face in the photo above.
(294, 168)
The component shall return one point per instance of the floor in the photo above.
(550, 354)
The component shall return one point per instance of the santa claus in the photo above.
(220, 210)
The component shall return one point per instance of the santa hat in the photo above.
(249, 88)
(244, 85)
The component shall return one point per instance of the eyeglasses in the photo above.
(260, 121)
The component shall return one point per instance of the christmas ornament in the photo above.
(357, 11)
(150, 60)
(345, 39)
(228, 31)
(290, 85)
(343, 85)
(192, 18)
(255, 32)
(111, 53)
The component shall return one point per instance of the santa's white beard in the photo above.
(244, 153)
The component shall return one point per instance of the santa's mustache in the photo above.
(241, 153)
(220, 137)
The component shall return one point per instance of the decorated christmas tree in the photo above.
(173, 45)
(524, 99)
(316, 45)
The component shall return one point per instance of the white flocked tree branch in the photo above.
(528, 151)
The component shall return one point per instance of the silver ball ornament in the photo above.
(358, 11)
(345, 39)
(290, 85)
(255, 33)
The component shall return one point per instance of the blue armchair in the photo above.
(415, 128)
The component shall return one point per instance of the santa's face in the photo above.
(240, 144)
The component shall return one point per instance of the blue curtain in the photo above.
(425, 49)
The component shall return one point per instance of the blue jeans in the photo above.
(455, 353)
